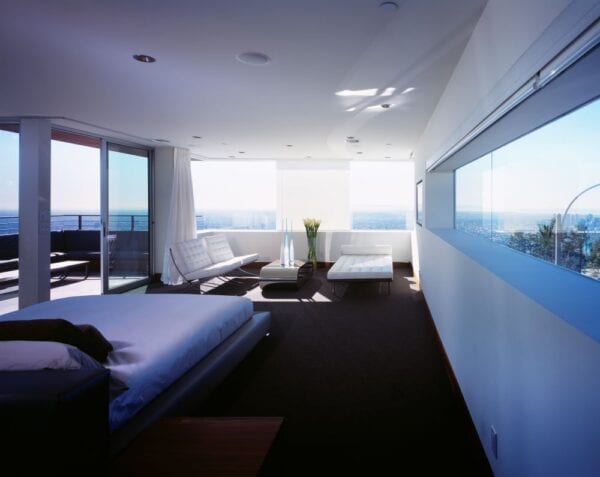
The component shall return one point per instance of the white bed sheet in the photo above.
(157, 338)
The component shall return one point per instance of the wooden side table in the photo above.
(200, 446)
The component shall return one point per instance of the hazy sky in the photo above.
(75, 178)
(542, 171)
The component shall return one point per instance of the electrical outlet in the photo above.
(494, 441)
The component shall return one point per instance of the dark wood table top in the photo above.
(200, 446)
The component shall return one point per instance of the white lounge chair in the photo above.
(207, 257)
(363, 263)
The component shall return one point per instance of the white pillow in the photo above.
(33, 355)
(39, 355)
(218, 248)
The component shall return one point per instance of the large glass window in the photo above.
(382, 195)
(9, 180)
(235, 194)
(540, 194)
(314, 189)
(75, 203)
(9, 217)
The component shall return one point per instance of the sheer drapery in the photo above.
(182, 217)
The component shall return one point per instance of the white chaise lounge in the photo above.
(363, 263)
(207, 257)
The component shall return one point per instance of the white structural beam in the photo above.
(34, 211)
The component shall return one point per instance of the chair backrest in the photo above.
(218, 248)
(190, 256)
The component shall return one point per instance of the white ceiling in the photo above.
(73, 59)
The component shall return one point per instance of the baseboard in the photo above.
(454, 385)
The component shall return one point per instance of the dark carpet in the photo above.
(360, 379)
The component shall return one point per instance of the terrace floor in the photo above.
(74, 285)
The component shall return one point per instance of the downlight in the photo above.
(144, 58)
(253, 58)
(389, 6)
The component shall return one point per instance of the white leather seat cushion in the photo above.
(223, 267)
(190, 256)
(362, 267)
(218, 248)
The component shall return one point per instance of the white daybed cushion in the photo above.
(218, 248)
(157, 338)
(363, 262)
(362, 267)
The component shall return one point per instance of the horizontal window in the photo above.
(235, 195)
(382, 195)
(540, 194)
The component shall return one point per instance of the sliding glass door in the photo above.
(126, 218)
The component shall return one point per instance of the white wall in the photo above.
(267, 243)
(521, 368)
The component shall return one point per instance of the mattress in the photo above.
(362, 267)
(157, 338)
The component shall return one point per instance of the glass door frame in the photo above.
(104, 212)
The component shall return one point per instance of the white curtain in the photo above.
(182, 217)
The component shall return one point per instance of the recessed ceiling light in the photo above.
(408, 90)
(144, 58)
(388, 92)
(357, 92)
(253, 58)
(351, 109)
(389, 6)
(197, 137)
(161, 140)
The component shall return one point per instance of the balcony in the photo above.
(77, 237)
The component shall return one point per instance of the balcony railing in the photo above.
(116, 222)
(9, 224)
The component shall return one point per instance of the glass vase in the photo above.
(312, 250)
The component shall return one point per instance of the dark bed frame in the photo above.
(68, 410)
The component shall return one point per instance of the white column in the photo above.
(34, 211)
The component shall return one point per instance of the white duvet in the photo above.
(157, 338)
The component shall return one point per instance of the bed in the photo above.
(363, 263)
(170, 350)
